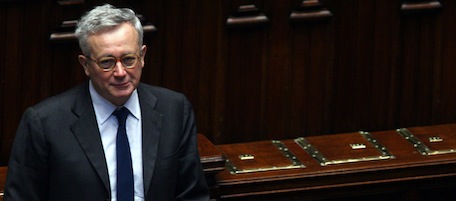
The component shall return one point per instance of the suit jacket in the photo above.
(58, 154)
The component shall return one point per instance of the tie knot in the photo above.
(121, 115)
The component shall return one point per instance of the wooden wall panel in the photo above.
(3, 9)
(364, 65)
(243, 93)
(11, 80)
(418, 67)
(311, 81)
(278, 70)
(385, 66)
(361, 86)
(444, 105)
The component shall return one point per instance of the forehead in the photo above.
(120, 39)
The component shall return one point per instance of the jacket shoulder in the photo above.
(160, 93)
(64, 100)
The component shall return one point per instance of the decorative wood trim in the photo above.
(420, 5)
(70, 2)
(245, 16)
(310, 10)
(66, 32)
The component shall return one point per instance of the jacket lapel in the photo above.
(85, 129)
(151, 124)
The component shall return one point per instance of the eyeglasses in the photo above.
(108, 63)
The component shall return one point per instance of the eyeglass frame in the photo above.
(97, 61)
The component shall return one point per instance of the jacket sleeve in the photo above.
(192, 184)
(27, 176)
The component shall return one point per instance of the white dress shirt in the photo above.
(107, 124)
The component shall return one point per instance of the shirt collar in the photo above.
(104, 109)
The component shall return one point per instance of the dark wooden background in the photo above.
(344, 66)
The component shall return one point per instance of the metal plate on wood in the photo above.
(421, 146)
(294, 163)
(323, 160)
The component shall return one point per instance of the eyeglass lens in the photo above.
(108, 63)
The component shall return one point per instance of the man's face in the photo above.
(118, 84)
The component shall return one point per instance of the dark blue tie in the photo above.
(124, 166)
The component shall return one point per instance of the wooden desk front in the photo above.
(404, 175)
(407, 175)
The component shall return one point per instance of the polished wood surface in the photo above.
(212, 159)
(3, 170)
(408, 176)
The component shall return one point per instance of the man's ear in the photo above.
(143, 50)
(143, 53)
(84, 63)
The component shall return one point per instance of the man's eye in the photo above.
(106, 63)
(129, 60)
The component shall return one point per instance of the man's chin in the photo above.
(123, 94)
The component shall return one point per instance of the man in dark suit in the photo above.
(66, 147)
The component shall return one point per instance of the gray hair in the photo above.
(104, 17)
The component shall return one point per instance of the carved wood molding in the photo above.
(70, 2)
(310, 10)
(66, 31)
(420, 5)
(247, 16)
